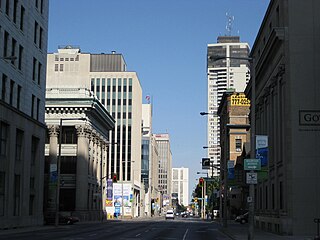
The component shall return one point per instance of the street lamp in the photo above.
(252, 137)
(58, 168)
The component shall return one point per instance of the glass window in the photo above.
(19, 145)
(34, 150)
(61, 67)
(11, 92)
(16, 203)
(4, 128)
(238, 145)
(2, 192)
(34, 69)
(22, 16)
(20, 57)
(4, 84)
(68, 164)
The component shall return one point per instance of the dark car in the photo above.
(50, 219)
(243, 218)
(68, 219)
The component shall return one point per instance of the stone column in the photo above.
(53, 152)
(82, 168)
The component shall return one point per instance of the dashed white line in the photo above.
(185, 234)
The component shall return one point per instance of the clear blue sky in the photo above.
(165, 42)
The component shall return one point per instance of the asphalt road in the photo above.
(157, 229)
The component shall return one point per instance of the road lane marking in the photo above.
(185, 234)
(138, 235)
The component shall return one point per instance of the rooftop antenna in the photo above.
(230, 20)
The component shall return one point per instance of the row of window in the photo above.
(13, 95)
(18, 14)
(61, 59)
(16, 49)
(38, 35)
(19, 153)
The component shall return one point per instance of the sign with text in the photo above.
(252, 178)
(239, 100)
(252, 164)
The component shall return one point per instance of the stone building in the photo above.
(23, 45)
(82, 155)
(234, 125)
(287, 58)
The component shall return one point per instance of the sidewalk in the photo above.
(237, 231)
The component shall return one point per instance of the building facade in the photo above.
(223, 74)
(121, 94)
(286, 57)
(234, 133)
(23, 35)
(180, 185)
(81, 156)
(165, 168)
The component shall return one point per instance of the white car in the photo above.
(170, 214)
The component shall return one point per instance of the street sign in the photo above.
(252, 164)
(205, 163)
(252, 178)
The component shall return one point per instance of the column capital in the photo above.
(53, 130)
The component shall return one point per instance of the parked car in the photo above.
(185, 214)
(243, 218)
(63, 219)
(170, 214)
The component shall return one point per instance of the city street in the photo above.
(159, 228)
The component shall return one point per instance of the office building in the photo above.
(286, 52)
(223, 74)
(180, 186)
(165, 168)
(23, 35)
(121, 94)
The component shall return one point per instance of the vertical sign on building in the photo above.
(262, 154)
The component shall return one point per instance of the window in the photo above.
(69, 135)
(34, 150)
(238, 145)
(22, 16)
(19, 97)
(4, 135)
(11, 92)
(19, 145)
(39, 72)
(68, 164)
(7, 7)
(34, 69)
(35, 36)
(38, 108)
(32, 105)
(16, 197)
(40, 38)
(41, 6)
(61, 67)
(3, 89)
(56, 67)
(2, 192)
(15, 9)
(20, 57)
(5, 44)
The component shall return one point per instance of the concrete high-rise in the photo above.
(165, 167)
(223, 74)
(180, 185)
(121, 94)
(23, 35)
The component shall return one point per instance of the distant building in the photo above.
(165, 167)
(234, 133)
(222, 75)
(23, 35)
(83, 152)
(121, 94)
(180, 186)
(286, 52)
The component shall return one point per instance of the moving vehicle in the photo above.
(170, 214)
(243, 218)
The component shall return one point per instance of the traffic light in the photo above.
(201, 182)
(114, 178)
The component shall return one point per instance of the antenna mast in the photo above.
(230, 20)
